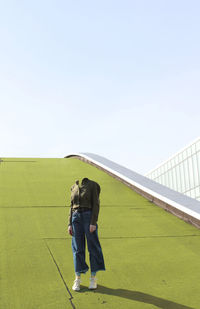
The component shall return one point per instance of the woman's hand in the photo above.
(70, 231)
(92, 228)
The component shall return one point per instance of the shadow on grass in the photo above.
(137, 296)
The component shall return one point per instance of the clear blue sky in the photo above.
(117, 78)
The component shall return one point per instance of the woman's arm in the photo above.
(95, 205)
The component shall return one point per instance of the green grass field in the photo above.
(152, 258)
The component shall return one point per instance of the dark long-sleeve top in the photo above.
(85, 195)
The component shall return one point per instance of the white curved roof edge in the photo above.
(172, 156)
(180, 201)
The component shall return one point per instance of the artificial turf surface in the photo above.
(152, 258)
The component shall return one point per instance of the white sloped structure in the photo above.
(181, 172)
(179, 204)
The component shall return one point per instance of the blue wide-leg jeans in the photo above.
(81, 230)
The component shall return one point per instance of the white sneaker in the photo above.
(93, 283)
(76, 285)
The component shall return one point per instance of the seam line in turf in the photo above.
(62, 206)
(32, 207)
(127, 237)
(16, 161)
(59, 271)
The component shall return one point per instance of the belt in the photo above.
(81, 209)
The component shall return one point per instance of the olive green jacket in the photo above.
(85, 195)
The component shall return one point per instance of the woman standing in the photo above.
(82, 223)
